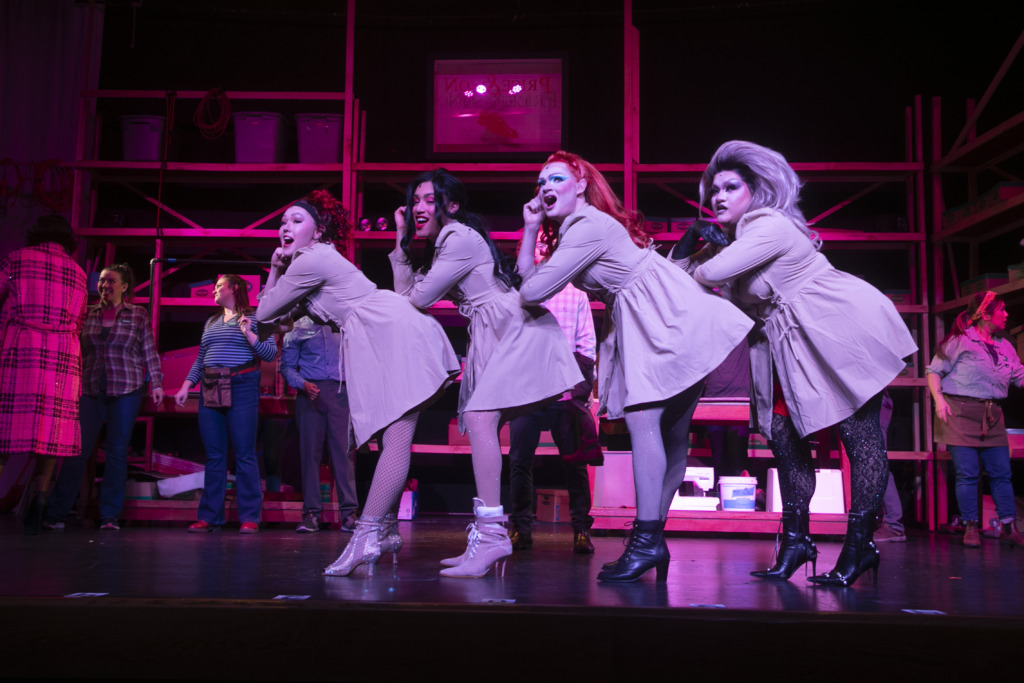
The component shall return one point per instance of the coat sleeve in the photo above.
(761, 242)
(304, 274)
(458, 252)
(580, 246)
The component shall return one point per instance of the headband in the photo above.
(310, 209)
(986, 300)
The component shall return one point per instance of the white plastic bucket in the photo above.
(142, 137)
(319, 138)
(737, 493)
(259, 137)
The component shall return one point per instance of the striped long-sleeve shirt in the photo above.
(224, 345)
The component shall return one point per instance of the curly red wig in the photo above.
(330, 215)
(600, 195)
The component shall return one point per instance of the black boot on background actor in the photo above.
(646, 548)
(858, 554)
(796, 547)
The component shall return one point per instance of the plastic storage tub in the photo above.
(142, 137)
(319, 138)
(259, 137)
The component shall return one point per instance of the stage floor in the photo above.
(134, 582)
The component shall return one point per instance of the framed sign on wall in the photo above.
(484, 107)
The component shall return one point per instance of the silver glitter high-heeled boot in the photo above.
(390, 539)
(363, 548)
(488, 544)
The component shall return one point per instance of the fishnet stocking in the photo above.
(482, 428)
(392, 467)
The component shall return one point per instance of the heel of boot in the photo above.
(662, 571)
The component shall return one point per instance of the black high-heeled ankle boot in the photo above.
(796, 548)
(646, 549)
(858, 554)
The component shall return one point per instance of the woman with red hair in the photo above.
(663, 334)
(972, 370)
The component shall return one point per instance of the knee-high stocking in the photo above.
(649, 463)
(796, 469)
(482, 428)
(392, 467)
(869, 467)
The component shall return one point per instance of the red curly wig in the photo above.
(330, 215)
(600, 195)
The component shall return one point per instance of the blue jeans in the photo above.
(996, 460)
(235, 425)
(119, 413)
(524, 435)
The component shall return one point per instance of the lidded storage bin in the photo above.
(319, 138)
(259, 137)
(142, 137)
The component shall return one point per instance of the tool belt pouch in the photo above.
(217, 388)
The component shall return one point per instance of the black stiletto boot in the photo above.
(858, 555)
(646, 549)
(796, 549)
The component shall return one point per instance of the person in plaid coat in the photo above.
(43, 292)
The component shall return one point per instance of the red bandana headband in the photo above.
(988, 298)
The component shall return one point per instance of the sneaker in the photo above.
(249, 528)
(886, 534)
(53, 526)
(348, 525)
(1008, 535)
(201, 527)
(109, 524)
(971, 537)
(310, 523)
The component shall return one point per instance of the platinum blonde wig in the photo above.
(772, 182)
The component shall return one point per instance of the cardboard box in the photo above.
(680, 224)
(898, 296)
(983, 283)
(202, 289)
(175, 365)
(828, 492)
(910, 370)
(553, 505)
(409, 506)
(657, 224)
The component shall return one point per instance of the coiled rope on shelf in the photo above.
(210, 124)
